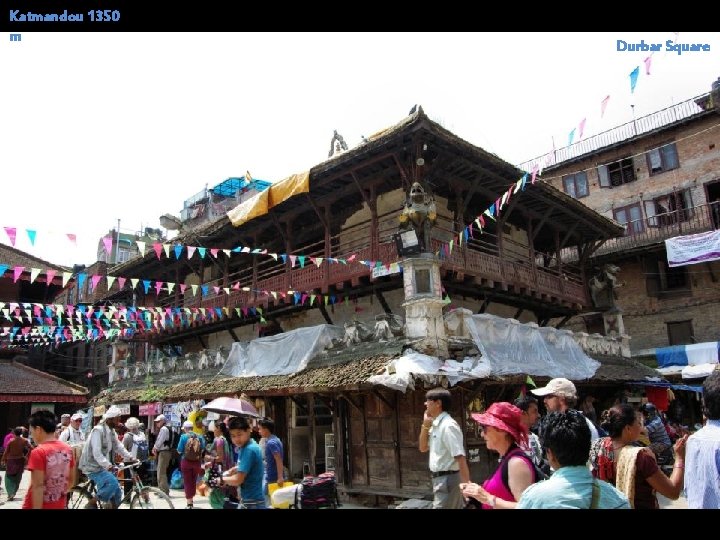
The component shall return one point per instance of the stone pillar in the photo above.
(423, 304)
(613, 321)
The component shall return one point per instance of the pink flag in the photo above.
(582, 127)
(216, 289)
(17, 272)
(158, 249)
(648, 61)
(158, 286)
(95, 279)
(50, 276)
(214, 252)
(182, 288)
(72, 238)
(603, 105)
(292, 260)
(12, 234)
(108, 242)
(534, 173)
(121, 282)
(190, 251)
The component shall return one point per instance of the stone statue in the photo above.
(419, 214)
(603, 286)
(337, 144)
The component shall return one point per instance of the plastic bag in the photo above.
(176, 479)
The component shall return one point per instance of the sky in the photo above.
(126, 126)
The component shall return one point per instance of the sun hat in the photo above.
(160, 418)
(505, 417)
(560, 387)
(112, 412)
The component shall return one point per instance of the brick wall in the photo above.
(698, 149)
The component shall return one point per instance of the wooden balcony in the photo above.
(477, 265)
(655, 229)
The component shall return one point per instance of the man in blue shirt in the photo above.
(248, 473)
(566, 439)
(702, 454)
(273, 457)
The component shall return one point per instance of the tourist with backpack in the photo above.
(190, 447)
(136, 443)
(162, 450)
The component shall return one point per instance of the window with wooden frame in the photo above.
(680, 333)
(576, 185)
(663, 158)
(662, 281)
(669, 209)
(630, 216)
(616, 174)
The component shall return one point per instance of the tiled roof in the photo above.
(335, 376)
(16, 378)
(15, 257)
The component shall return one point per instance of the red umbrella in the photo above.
(232, 406)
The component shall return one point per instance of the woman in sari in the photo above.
(630, 468)
(14, 460)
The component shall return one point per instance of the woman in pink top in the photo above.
(504, 432)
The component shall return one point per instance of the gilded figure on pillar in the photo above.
(419, 214)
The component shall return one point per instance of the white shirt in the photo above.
(72, 435)
(445, 441)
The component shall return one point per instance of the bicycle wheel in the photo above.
(151, 498)
(77, 498)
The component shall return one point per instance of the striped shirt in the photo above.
(702, 467)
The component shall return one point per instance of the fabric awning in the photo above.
(261, 203)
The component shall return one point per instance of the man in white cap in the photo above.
(73, 434)
(97, 459)
(560, 395)
(161, 450)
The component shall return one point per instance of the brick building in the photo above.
(660, 177)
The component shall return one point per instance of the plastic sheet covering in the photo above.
(281, 354)
(255, 206)
(512, 348)
(401, 372)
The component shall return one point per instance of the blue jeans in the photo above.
(107, 486)
(254, 504)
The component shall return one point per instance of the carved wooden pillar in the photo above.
(374, 226)
(226, 279)
(559, 260)
(288, 251)
(328, 249)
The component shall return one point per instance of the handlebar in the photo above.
(134, 464)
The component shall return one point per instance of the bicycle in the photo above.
(140, 497)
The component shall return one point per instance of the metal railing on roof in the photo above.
(624, 132)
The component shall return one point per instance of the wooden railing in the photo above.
(478, 258)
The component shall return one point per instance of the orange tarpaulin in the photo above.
(265, 200)
(247, 210)
(289, 187)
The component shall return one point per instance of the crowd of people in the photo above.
(237, 461)
(574, 460)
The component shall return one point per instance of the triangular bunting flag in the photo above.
(178, 250)
(157, 246)
(141, 247)
(49, 276)
(31, 235)
(121, 283)
(134, 282)
(11, 234)
(191, 251)
(166, 248)
(214, 252)
(110, 280)
(17, 272)
(34, 273)
(194, 289)
(201, 251)
(108, 243)
(94, 280)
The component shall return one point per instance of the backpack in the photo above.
(317, 492)
(505, 465)
(192, 452)
(140, 444)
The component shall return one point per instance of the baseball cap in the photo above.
(160, 418)
(560, 387)
(76, 416)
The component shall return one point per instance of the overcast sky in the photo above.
(101, 127)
